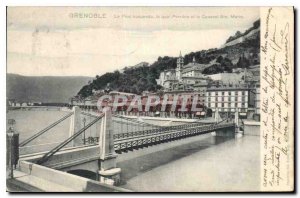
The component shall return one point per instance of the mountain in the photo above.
(241, 50)
(48, 89)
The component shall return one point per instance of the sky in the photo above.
(90, 41)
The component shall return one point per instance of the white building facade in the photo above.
(184, 76)
(228, 98)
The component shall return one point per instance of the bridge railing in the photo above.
(129, 143)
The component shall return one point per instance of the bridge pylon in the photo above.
(108, 171)
(75, 125)
(236, 121)
(217, 116)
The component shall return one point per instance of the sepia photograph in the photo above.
(149, 99)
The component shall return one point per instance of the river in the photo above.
(204, 165)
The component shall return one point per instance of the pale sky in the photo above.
(55, 41)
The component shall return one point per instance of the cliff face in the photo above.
(250, 36)
(243, 51)
(51, 89)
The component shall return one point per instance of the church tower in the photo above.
(194, 61)
(179, 67)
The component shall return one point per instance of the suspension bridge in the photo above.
(97, 152)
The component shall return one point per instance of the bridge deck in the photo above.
(160, 136)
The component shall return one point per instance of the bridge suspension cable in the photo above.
(135, 121)
(125, 122)
(67, 141)
(224, 119)
(44, 130)
(153, 125)
(89, 114)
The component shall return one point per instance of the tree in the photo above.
(256, 24)
(238, 34)
(243, 62)
(220, 59)
(208, 112)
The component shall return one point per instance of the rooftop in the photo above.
(229, 87)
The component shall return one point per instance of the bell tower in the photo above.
(179, 67)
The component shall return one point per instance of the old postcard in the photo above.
(150, 99)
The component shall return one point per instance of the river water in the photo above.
(204, 165)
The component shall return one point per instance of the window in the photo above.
(222, 93)
(236, 104)
(243, 93)
(236, 93)
(229, 93)
(223, 105)
(222, 99)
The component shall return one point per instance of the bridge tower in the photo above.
(226, 132)
(236, 117)
(108, 171)
(75, 125)
(217, 115)
(237, 122)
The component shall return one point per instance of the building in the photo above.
(253, 74)
(228, 92)
(229, 78)
(192, 94)
(184, 77)
(201, 87)
(167, 79)
(253, 79)
(228, 98)
(255, 100)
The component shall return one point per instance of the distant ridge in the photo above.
(48, 89)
